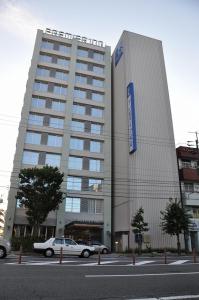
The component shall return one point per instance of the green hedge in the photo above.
(26, 242)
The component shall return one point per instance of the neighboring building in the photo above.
(188, 161)
(144, 159)
(66, 122)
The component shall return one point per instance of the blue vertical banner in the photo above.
(131, 118)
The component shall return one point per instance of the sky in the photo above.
(174, 22)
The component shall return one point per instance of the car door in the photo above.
(57, 244)
(72, 247)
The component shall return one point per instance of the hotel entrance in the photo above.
(86, 232)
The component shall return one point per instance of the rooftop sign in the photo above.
(70, 36)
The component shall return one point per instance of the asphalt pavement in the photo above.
(83, 279)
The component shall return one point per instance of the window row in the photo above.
(85, 163)
(87, 126)
(78, 126)
(55, 46)
(191, 187)
(99, 56)
(86, 145)
(53, 59)
(87, 110)
(41, 158)
(88, 94)
(83, 79)
(49, 87)
(44, 72)
(44, 138)
(84, 205)
(89, 53)
(89, 67)
(56, 105)
(41, 120)
(84, 184)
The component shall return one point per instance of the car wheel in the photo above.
(2, 252)
(105, 251)
(85, 253)
(48, 252)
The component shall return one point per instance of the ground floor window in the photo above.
(45, 232)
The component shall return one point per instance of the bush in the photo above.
(26, 242)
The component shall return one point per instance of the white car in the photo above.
(69, 247)
(5, 247)
(99, 247)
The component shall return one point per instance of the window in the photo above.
(47, 45)
(45, 58)
(99, 206)
(35, 120)
(75, 163)
(83, 205)
(82, 66)
(76, 144)
(95, 146)
(94, 165)
(54, 140)
(40, 87)
(43, 72)
(18, 204)
(33, 138)
(95, 185)
(97, 97)
(79, 109)
(79, 94)
(96, 112)
(82, 53)
(74, 183)
(58, 241)
(30, 158)
(58, 105)
(97, 82)
(56, 123)
(77, 126)
(70, 242)
(53, 160)
(188, 187)
(60, 90)
(72, 205)
(62, 62)
(64, 48)
(96, 128)
(61, 75)
(38, 102)
(81, 79)
(98, 70)
(98, 56)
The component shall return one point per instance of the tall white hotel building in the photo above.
(113, 139)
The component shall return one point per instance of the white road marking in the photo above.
(101, 263)
(178, 262)
(143, 275)
(39, 263)
(169, 298)
(144, 262)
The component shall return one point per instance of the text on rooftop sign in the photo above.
(77, 37)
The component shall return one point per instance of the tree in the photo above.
(39, 192)
(139, 227)
(175, 220)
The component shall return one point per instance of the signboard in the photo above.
(194, 226)
(131, 118)
(77, 37)
(118, 54)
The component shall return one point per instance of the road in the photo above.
(81, 279)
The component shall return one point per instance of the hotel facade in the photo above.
(112, 138)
